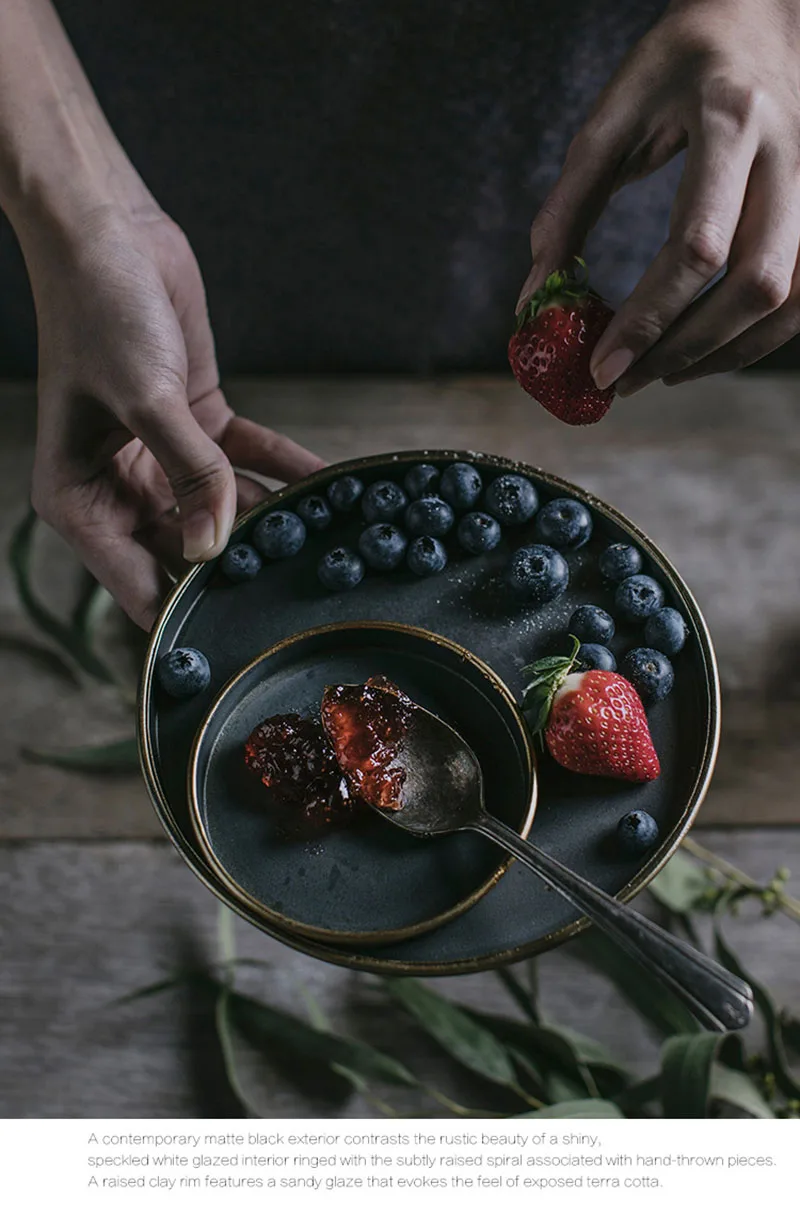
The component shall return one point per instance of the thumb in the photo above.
(199, 473)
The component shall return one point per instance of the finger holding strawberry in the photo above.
(592, 722)
(557, 330)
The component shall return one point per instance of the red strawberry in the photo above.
(557, 331)
(593, 722)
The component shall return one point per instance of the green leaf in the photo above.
(790, 1029)
(456, 1031)
(779, 1061)
(294, 1035)
(738, 1089)
(681, 885)
(655, 1003)
(633, 1100)
(191, 975)
(225, 1035)
(561, 1055)
(686, 1065)
(518, 993)
(121, 756)
(583, 1108)
(93, 604)
(548, 674)
(71, 640)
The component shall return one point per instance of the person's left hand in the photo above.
(722, 79)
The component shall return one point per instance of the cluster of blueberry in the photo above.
(639, 599)
(402, 523)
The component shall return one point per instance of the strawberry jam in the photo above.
(295, 761)
(367, 724)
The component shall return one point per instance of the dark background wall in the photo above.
(357, 179)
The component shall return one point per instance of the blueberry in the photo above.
(637, 832)
(564, 522)
(461, 486)
(666, 631)
(429, 516)
(478, 532)
(344, 493)
(591, 624)
(383, 502)
(314, 512)
(240, 563)
(421, 480)
(426, 555)
(592, 656)
(279, 534)
(538, 573)
(512, 499)
(382, 546)
(650, 672)
(638, 597)
(340, 569)
(183, 672)
(619, 561)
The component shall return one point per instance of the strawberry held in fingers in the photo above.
(557, 330)
(593, 722)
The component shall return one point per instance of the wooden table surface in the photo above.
(93, 900)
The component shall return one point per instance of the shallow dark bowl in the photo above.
(575, 816)
(367, 883)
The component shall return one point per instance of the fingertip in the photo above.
(610, 368)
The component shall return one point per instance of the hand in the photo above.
(132, 421)
(722, 79)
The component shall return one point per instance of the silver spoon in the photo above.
(443, 793)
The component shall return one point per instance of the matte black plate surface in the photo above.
(367, 882)
(575, 817)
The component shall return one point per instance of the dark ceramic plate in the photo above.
(367, 883)
(575, 817)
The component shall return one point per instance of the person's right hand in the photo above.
(132, 421)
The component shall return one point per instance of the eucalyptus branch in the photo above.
(778, 897)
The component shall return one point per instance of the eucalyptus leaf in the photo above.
(562, 1088)
(190, 975)
(225, 1036)
(292, 1034)
(635, 1098)
(681, 885)
(71, 640)
(738, 1089)
(556, 1052)
(92, 606)
(778, 1058)
(584, 1108)
(178, 979)
(518, 992)
(687, 1061)
(655, 1003)
(460, 1034)
(790, 1029)
(120, 756)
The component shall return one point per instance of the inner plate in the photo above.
(368, 882)
(575, 817)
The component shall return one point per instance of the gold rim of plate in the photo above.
(377, 937)
(497, 958)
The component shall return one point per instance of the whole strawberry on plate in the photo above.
(549, 353)
(592, 722)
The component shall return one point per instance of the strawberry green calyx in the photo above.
(559, 288)
(548, 674)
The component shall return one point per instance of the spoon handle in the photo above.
(719, 1000)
